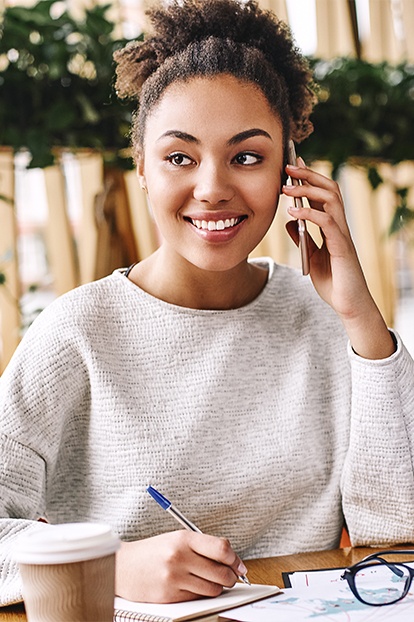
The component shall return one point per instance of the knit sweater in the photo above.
(259, 423)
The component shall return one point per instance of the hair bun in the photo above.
(183, 22)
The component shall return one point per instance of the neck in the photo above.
(186, 285)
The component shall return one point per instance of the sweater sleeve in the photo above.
(21, 494)
(38, 390)
(378, 475)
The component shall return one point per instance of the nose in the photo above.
(213, 183)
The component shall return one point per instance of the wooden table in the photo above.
(267, 570)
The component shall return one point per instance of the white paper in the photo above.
(189, 609)
(321, 595)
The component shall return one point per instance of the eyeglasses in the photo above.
(377, 580)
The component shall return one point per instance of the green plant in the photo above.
(364, 116)
(364, 111)
(56, 83)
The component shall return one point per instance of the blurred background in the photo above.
(71, 209)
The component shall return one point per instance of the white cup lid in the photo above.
(70, 542)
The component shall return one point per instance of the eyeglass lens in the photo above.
(380, 585)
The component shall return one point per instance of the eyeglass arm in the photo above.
(377, 557)
(390, 552)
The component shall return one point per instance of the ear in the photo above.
(140, 173)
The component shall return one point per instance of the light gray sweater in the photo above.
(259, 423)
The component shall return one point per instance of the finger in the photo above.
(194, 588)
(321, 196)
(320, 201)
(311, 180)
(337, 242)
(199, 586)
(326, 222)
(215, 548)
(292, 229)
(211, 573)
(186, 570)
(309, 176)
(220, 551)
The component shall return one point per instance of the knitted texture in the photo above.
(242, 418)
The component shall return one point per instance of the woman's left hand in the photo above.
(334, 267)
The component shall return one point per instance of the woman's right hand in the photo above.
(176, 566)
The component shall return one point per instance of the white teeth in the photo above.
(219, 225)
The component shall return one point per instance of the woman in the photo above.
(226, 383)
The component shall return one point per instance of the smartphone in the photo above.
(303, 235)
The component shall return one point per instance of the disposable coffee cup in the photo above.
(68, 572)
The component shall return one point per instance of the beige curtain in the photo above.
(369, 215)
(382, 42)
(91, 175)
(59, 238)
(334, 29)
(408, 26)
(10, 291)
(277, 6)
(390, 30)
(143, 224)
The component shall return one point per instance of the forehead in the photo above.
(219, 105)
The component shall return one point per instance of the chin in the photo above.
(217, 264)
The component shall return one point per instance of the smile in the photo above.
(216, 225)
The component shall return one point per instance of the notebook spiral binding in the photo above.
(120, 615)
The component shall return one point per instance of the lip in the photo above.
(216, 235)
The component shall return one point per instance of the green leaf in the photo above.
(34, 15)
(89, 112)
(374, 177)
(61, 115)
(403, 216)
(37, 142)
(402, 193)
(5, 199)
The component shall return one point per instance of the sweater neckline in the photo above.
(266, 262)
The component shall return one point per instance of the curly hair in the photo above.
(191, 38)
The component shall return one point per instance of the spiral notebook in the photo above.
(202, 610)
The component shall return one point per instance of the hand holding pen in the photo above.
(185, 522)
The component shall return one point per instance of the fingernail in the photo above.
(292, 166)
(302, 161)
(241, 568)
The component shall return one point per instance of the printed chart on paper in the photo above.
(322, 596)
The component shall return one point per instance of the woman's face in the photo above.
(212, 164)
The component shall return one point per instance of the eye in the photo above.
(247, 159)
(178, 159)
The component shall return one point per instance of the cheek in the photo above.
(159, 178)
(263, 192)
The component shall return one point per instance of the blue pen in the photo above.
(168, 506)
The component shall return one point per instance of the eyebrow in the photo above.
(238, 138)
(234, 140)
(188, 138)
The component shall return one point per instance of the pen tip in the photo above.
(244, 579)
